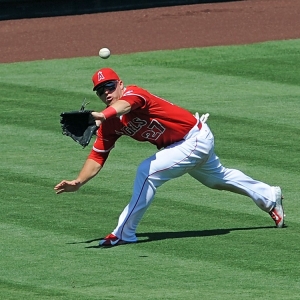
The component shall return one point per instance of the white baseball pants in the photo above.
(194, 155)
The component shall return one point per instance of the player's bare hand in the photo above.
(99, 117)
(67, 186)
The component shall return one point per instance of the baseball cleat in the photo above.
(111, 240)
(277, 213)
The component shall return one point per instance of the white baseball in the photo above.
(104, 53)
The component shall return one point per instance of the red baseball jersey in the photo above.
(151, 119)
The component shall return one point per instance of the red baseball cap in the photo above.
(103, 75)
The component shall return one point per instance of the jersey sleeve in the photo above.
(100, 158)
(105, 141)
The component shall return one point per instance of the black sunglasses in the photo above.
(108, 86)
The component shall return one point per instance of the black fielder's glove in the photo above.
(79, 125)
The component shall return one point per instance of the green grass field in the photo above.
(195, 243)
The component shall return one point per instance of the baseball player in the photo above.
(185, 143)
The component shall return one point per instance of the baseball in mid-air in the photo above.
(104, 53)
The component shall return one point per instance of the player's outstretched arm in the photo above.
(119, 108)
(88, 171)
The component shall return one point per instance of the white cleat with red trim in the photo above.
(277, 213)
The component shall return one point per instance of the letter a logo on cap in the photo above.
(103, 75)
(100, 76)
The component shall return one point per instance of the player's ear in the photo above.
(121, 84)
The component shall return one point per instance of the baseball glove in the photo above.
(79, 125)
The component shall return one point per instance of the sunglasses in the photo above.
(108, 86)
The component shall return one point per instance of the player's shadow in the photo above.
(158, 236)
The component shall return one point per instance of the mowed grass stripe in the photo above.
(276, 61)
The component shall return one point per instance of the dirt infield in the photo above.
(174, 27)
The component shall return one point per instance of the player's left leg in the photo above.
(214, 175)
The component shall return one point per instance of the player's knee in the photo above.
(214, 185)
(143, 169)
